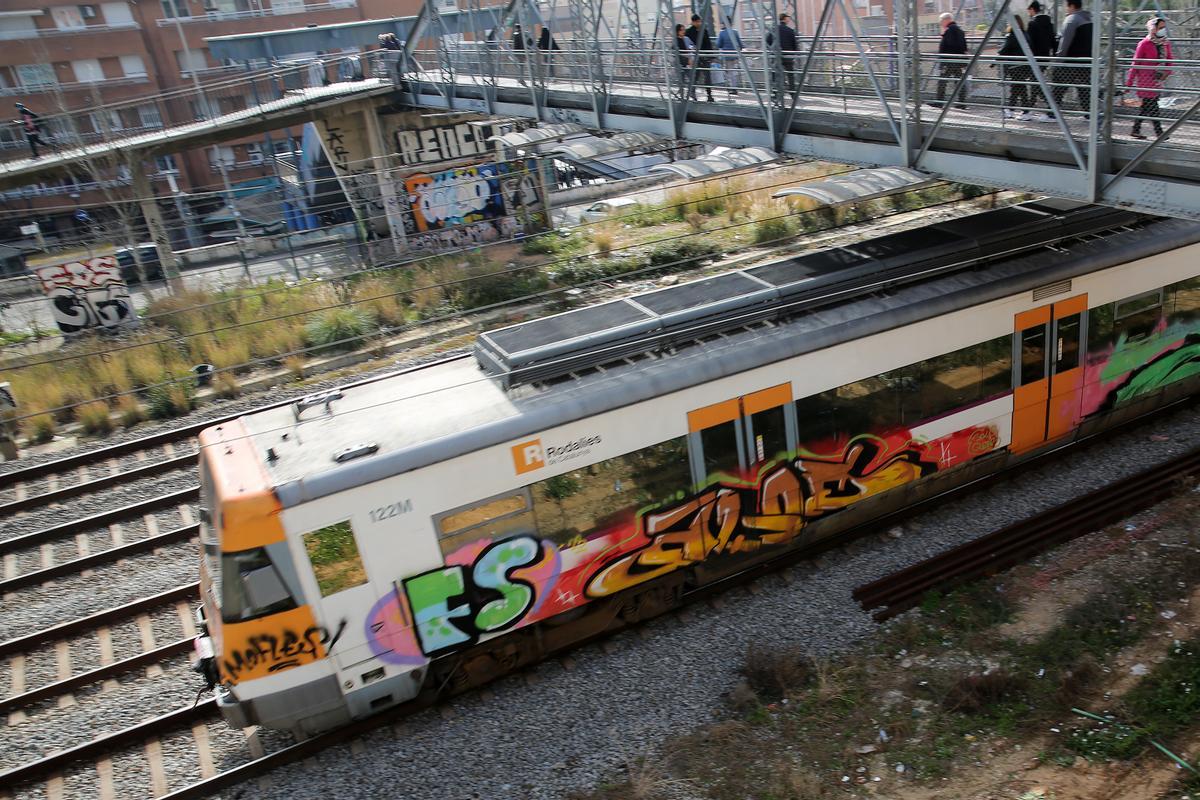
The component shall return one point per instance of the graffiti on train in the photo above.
(734, 516)
(279, 649)
(480, 591)
(471, 194)
(1167, 367)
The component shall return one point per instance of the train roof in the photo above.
(329, 443)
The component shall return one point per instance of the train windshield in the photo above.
(252, 586)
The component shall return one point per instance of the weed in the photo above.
(41, 428)
(603, 240)
(226, 385)
(94, 418)
(772, 230)
(974, 693)
(337, 328)
(695, 221)
(295, 365)
(970, 608)
(377, 297)
(650, 216)
(775, 673)
(682, 255)
(548, 244)
(130, 411)
(170, 399)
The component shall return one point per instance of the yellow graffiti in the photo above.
(728, 519)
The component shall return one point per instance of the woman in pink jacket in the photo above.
(1149, 71)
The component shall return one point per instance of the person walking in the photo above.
(1150, 70)
(32, 129)
(546, 47)
(1074, 53)
(951, 64)
(729, 43)
(1017, 75)
(683, 50)
(1040, 35)
(788, 46)
(520, 47)
(703, 47)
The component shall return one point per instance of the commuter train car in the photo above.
(430, 530)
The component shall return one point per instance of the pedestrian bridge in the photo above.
(852, 98)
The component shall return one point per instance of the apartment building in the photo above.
(82, 57)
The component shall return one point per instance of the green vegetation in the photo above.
(338, 329)
(334, 556)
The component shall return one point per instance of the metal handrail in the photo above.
(212, 15)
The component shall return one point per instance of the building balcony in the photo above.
(51, 33)
(68, 87)
(280, 11)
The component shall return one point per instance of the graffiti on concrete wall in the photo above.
(470, 235)
(87, 293)
(358, 182)
(466, 195)
(429, 145)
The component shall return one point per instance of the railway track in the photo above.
(1016, 543)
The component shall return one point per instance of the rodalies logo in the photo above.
(531, 455)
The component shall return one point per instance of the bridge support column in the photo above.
(392, 201)
(155, 225)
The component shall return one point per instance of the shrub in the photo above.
(94, 418)
(130, 411)
(648, 216)
(295, 365)
(170, 399)
(41, 428)
(678, 256)
(484, 289)
(774, 673)
(696, 221)
(772, 230)
(378, 297)
(604, 243)
(551, 243)
(226, 385)
(338, 328)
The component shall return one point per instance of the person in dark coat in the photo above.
(683, 52)
(788, 45)
(546, 45)
(31, 128)
(1017, 75)
(702, 44)
(1040, 34)
(520, 47)
(952, 51)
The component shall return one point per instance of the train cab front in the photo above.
(258, 648)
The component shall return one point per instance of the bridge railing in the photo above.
(849, 75)
(138, 121)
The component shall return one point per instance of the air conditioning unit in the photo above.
(87, 12)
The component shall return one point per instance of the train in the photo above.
(422, 533)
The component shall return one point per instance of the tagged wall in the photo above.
(87, 293)
(467, 195)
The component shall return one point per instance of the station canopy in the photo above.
(721, 159)
(540, 133)
(585, 149)
(862, 184)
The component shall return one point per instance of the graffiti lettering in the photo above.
(470, 235)
(731, 518)
(453, 605)
(441, 144)
(87, 294)
(471, 194)
(1173, 365)
(283, 651)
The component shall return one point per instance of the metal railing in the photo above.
(50, 33)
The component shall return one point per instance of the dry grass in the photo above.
(295, 365)
(130, 411)
(40, 428)
(94, 418)
(775, 673)
(603, 240)
(226, 385)
(378, 297)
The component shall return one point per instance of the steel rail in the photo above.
(902, 590)
(100, 520)
(58, 761)
(23, 644)
(86, 487)
(103, 557)
(96, 675)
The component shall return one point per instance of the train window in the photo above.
(1186, 306)
(503, 515)
(251, 586)
(1066, 343)
(333, 554)
(964, 377)
(1033, 354)
(1100, 328)
(720, 448)
(1137, 317)
(575, 506)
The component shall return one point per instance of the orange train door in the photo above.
(739, 434)
(1048, 374)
